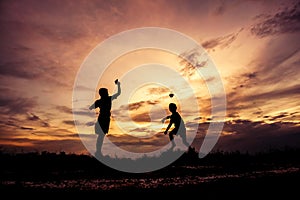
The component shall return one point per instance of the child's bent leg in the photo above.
(183, 137)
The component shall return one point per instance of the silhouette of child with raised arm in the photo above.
(179, 126)
(102, 124)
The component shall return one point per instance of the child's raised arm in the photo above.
(115, 96)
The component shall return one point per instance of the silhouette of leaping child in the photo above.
(103, 122)
(179, 126)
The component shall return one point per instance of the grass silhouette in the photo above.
(61, 172)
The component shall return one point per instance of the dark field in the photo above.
(270, 174)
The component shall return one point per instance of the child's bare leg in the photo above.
(99, 144)
(171, 136)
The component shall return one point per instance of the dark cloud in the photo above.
(288, 92)
(55, 133)
(197, 118)
(259, 136)
(137, 105)
(64, 109)
(189, 69)
(259, 112)
(10, 122)
(18, 69)
(11, 127)
(27, 128)
(140, 129)
(82, 111)
(245, 80)
(90, 123)
(294, 113)
(246, 135)
(33, 117)
(233, 115)
(67, 145)
(274, 69)
(210, 79)
(85, 113)
(220, 8)
(279, 116)
(190, 60)
(284, 21)
(122, 113)
(251, 75)
(138, 145)
(69, 122)
(20, 59)
(7, 91)
(17, 140)
(21, 105)
(282, 116)
(192, 57)
(158, 90)
(22, 54)
(143, 117)
(221, 42)
(45, 124)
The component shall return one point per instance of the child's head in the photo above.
(103, 92)
(172, 107)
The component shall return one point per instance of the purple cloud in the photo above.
(285, 21)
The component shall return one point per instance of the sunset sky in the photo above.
(255, 46)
